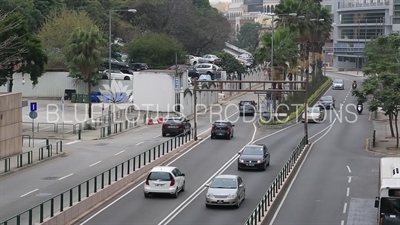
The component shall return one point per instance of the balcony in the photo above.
(349, 50)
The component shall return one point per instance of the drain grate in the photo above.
(102, 144)
(43, 194)
(51, 178)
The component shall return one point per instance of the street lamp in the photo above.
(109, 57)
(272, 15)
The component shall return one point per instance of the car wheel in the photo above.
(176, 194)
(164, 134)
(268, 163)
(212, 136)
(238, 203)
(127, 78)
(229, 137)
(183, 187)
(146, 195)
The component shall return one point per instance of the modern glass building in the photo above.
(357, 22)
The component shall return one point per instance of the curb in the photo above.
(39, 162)
(368, 149)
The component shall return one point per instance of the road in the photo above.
(85, 159)
(338, 181)
(203, 162)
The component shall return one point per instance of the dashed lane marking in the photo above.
(95, 163)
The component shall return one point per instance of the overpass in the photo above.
(233, 50)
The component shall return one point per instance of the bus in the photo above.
(388, 201)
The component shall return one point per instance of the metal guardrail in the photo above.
(54, 126)
(262, 207)
(49, 149)
(20, 158)
(29, 139)
(77, 193)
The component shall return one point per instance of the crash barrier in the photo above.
(118, 127)
(263, 206)
(61, 202)
(374, 139)
(27, 158)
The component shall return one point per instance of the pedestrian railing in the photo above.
(83, 190)
(261, 209)
(29, 139)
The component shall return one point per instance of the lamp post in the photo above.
(109, 58)
(272, 15)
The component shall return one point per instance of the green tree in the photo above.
(158, 50)
(30, 61)
(383, 81)
(84, 55)
(230, 64)
(56, 31)
(249, 36)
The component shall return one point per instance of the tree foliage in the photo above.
(383, 81)
(56, 31)
(158, 50)
(84, 54)
(249, 36)
(30, 61)
(230, 64)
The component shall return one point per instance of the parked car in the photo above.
(180, 67)
(117, 75)
(115, 64)
(164, 180)
(314, 114)
(327, 102)
(127, 71)
(225, 190)
(222, 128)
(192, 72)
(192, 60)
(207, 68)
(138, 66)
(247, 109)
(210, 59)
(338, 84)
(254, 156)
(176, 125)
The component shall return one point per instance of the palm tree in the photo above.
(84, 55)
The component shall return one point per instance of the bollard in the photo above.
(79, 134)
(47, 144)
(374, 138)
(145, 118)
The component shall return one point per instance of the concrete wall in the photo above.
(10, 124)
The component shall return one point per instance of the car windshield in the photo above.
(313, 110)
(338, 81)
(164, 176)
(326, 98)
(253, 151)
(225, 183)
(390, 206)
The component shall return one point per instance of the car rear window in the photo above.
(172, 121)
(164, 176)
(253, 151)
(221, 124)
(326, 98)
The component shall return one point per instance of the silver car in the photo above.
(207, 68)
(338, 84)
(225, 190)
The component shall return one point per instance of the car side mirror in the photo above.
(206, 185)
(239, 153)
(255, 103)
(241, 185)
(233, 125)
(188, 120)
(182, 174)
(376, 202)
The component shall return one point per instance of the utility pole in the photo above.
(358, 54)
(272, 67)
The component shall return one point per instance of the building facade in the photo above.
(357, 22)
(10, 124)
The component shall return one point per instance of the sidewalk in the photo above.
(384, 144)
(352, 73)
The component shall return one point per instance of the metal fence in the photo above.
(77, 193)
(261, 209)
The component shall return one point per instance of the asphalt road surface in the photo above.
(203, 162)
(27, 188)
(338, 181)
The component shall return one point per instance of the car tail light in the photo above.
(228, 129)
(213, 127)
(147, 181)
(172, 182)
(164, 125)
(180, 125)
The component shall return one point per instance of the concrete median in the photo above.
(87, 205)
(271, 210)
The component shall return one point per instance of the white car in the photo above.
(314, 114)
(164, 180)
(209, 59)
(192, 60)
(117, 75)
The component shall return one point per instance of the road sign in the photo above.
(33, 115)
(33, 106)
(177, 83)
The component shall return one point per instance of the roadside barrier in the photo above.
(150, 121)
(263, 206)
(160, 120)
(68, 198)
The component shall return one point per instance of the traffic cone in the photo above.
(150, 121)
(160, 120)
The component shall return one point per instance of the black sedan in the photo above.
(176, 125)
(222, 129)
(254, 157)
(327, 102)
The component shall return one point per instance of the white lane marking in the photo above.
(297, 173)
(95, 163)
(157, 136)
(319, 132)
(62, 178)
(345, 207)
(342, 222)
(349, 180)
(29, 193)
(196, 193)
(348, 192)
(72, 142)
(119, 152)
(348, 168)
(139, 143)
(174, 160)
(140, 128)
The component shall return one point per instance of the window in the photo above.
(175, 173)
(253, 151)
(164, 176)
(396, 20)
